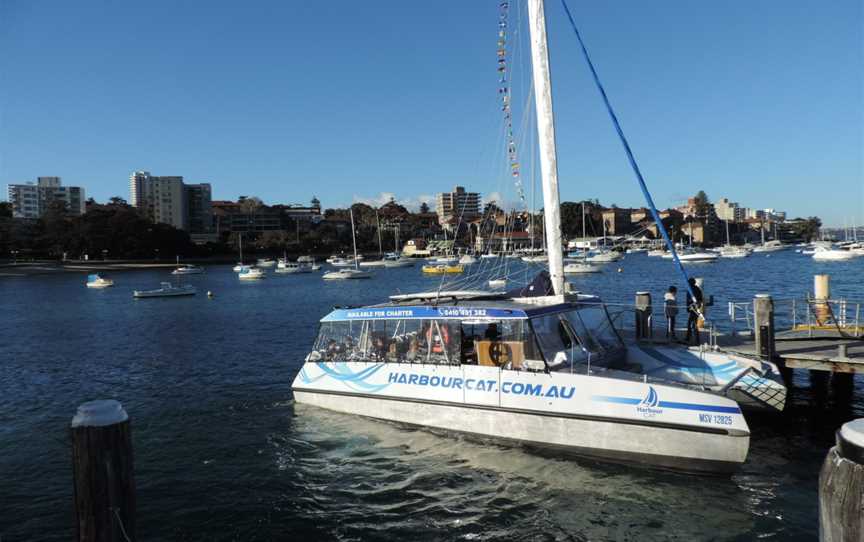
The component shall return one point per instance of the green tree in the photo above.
(5, 209)
(424, 208)
(703, 204)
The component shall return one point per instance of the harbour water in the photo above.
(222, 453)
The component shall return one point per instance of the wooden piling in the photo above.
(763, 326)
(821, 295)
(102, 465)
(643, 315)
(841, 487)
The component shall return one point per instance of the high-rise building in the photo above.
(168, 200)
(729, 210)
(457, 205)
(198, 207)
(32, 200)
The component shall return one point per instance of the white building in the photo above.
(169, 201)
(32, 200)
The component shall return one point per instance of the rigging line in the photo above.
(630, 157)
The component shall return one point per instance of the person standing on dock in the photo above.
(694, 307)
(670, 306)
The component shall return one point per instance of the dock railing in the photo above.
(803, 315)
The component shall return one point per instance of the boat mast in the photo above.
(378, 225)
(354, 239)
(546, 141)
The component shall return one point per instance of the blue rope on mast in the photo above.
(660, 227)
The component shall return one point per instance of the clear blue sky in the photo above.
(757, 100)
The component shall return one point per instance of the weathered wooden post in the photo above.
(821, 295)
(643, 315)
(841, 487)
(102, 466)
(763, 326)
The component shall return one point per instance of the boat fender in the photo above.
(209, 294)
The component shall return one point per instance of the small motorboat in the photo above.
(467, 259)
(305, 259)
(579, 268)
(341, 262)
(266, 262)
(445, 260)
(833, 254)
(346, 274)
(498, 283)
(188, 269)
(167, 290)
(604, 256)
(535, 259)
(694, 257)
(398, 262)
(238, 267)
(442, 269)
(373, 263)
(248, 272)
(288, 268)
(96, 281)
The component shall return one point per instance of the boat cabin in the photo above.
(495, 333)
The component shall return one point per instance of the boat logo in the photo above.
(648, 406)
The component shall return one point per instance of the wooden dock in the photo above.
(816, 351)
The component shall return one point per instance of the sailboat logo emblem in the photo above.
(650, 399)
(648, 406)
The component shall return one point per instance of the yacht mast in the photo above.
(354, 239)
(546, 141)
(378, 227)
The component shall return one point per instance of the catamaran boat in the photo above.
(188, 269)
(546, 370)
(167, 290)
(538, 365)
(248, 272)
(97, 281)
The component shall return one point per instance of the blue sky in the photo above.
(759, 101)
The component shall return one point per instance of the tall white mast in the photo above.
(354, 239)
(546, 140)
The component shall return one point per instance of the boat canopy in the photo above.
(93, 278)
(495, 333)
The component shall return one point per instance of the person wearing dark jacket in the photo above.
(694, 308)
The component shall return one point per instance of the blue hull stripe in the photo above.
(667, 404)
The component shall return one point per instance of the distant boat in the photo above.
(373, 263)
(694, 257)
(266, 262)
(832, 254)
(305, 259)
(167, 290)
(342, 262)
(770, 246)
(535, 259)
(442, 269)
(248, 272)
(498, 283)
(657, 252)
(96, 281)
(467, 259)
(287, 268)
(188, 269)
(731, 251)
(397, 261)
(604, 257)
(579, 268)
(346, 274)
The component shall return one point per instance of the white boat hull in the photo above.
(607, 418)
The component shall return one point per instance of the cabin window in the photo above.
(596, 335)
(500, 343)
(394, 341)
(557, 341)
